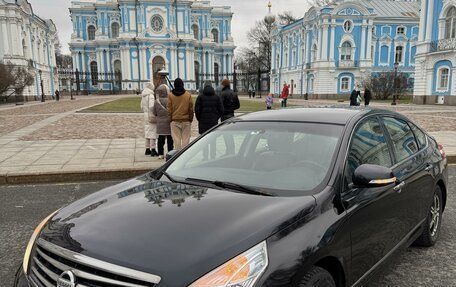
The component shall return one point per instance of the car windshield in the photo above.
(273, 156)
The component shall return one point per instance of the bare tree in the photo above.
(287, 18)
(260, 39)
(13, 77)
(385, 85)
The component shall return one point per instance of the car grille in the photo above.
(49, 261)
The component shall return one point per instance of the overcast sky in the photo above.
(246, 12)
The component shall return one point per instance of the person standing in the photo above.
(163, 124)
(284, 95)
(150, 121)
(367, 96)
(353, 97)
(208, 109)
(57, 95)
(269, 101)
(229, 99)
(180, 114)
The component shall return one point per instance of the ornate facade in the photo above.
(190, 39)
(329, 52)
(28, 40)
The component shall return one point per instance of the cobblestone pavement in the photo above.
(12, 123)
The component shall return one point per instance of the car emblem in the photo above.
(66, 279)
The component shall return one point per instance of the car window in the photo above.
(283, 157)
(402, 137)
(419, 135)
(368, 146)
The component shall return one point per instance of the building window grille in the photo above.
(399, 54)
(346, 51)
(345, 84)
(450, 23)
(94, 73)
(91, 32)
(215, 35)
(115, 30)
(443, 78)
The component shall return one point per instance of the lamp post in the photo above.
(396, 64)
(41, 84)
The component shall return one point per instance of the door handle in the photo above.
(398, 188)
(429, 167)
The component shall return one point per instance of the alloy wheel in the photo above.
(435, 216)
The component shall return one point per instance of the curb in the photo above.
(70, 176)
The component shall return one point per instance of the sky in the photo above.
(246, 13)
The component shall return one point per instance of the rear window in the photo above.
(402, 137)
(420, 136)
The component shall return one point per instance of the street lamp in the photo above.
(396, 64)
(42, 89)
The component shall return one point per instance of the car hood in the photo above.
(178, 232)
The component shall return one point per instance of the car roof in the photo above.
(323, 114)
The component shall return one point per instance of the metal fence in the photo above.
(87, 82)
(242, 81)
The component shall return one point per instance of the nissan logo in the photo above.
(66, 279)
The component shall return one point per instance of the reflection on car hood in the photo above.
(167, 228)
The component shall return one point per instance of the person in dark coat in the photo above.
(229, 99)
(208, 109)
(367, 96)
(163, 125)
(353, 97)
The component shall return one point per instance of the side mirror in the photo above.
(170, 154)
(368, 175)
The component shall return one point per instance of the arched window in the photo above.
(94, 72)
(115, 27)
(216, 73)
(118, 72)
(346, 51)
(443, 78)
(345, 84)
(450, 23)
(91, 32)
(195, 30)
(197, 75)
(215, 35)
(399, 54)
(314, 52)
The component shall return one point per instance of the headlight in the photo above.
(241, 271)
(35, 234)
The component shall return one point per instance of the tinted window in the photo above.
(419, 135)
(403, 139)
(368, 146)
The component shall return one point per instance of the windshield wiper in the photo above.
(163, 172)
(230, 185)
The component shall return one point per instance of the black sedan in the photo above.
(299, 197)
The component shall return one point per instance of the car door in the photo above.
(374, 215)
(412, 170)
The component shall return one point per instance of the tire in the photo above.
(317, 277)
(431, 230)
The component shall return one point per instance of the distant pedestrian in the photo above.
(253, 93)
(208, 109)
(367, 96)
(269, 101)
(150, 121)
(359, 99)
(163, 125)
(229, 99)
(353, 97)
(180, 113)
(250, 93)
(284, 95)
(57, 95)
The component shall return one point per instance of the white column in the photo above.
(5, 37)
(14, 38)
(306, 56)
(429, 21)
(77, 63)
(363, 41)
(333, 42)
(421, 29)
(369, 41)
(142, 57)
(324, 48)
(320, 49)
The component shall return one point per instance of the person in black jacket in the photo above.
(229, 99)
(353, 96)
(208, 109)
(367, 96)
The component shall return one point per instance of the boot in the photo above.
(154, 153)
(148, 152)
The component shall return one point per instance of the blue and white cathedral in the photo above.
(190, 39)
(330, 51)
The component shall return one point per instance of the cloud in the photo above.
(246, 13)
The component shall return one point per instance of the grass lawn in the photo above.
(132, 105)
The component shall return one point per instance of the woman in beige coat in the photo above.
(150, 121)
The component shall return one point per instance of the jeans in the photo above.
(181, 131)
(284, 103)
(161, 144)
